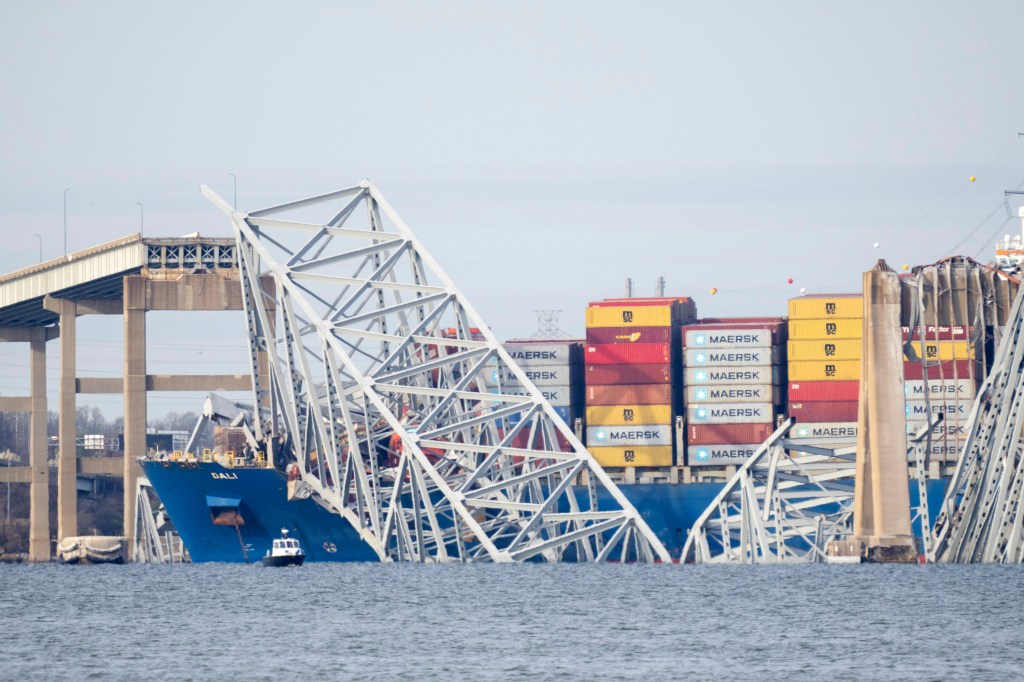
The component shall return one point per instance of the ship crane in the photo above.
(362, 328)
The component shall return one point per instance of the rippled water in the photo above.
(338, 621)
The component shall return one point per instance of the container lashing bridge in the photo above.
(373, 390)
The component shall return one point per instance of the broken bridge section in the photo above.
(376, 393)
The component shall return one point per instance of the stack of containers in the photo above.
(732, 387)
(950, 387)
(631, 379)
(824, 351)
(556, 369)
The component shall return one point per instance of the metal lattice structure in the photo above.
(787, 501)
(982, 517)
(375, 390)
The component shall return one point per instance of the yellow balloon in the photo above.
(714, 291)
(906, 267)
(973, 178)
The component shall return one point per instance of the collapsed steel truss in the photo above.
(779, 507)
(375, 388)
(982, 516)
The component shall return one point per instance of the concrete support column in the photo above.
(39, 493)
(881, 515)
(134, 395)
(67, 460)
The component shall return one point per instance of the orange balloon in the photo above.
(714, 291)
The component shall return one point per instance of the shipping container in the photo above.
(629, 394)
(603, 335)
(939, 333)
(731, 375)
(711, 336)
(540, 375)
(687, 309)
(824, 411)
(632, 316)
(825, 329)
(940, 451)
(944, 350)
(566, 413)
(723, 434)
(733, 393)
(728, 357)
(529, 353)
(731, 413)
(628, 353)
(846, 431)
(645, 434)
(826, 307)
(823, 349)
(824, 370)
(614, 415)
(556, 395)
(950, 430)
(949, 390)
(918, 410)
(602, 375)
(812, 391)
(720, 455)
(951, 369)
(633, 456)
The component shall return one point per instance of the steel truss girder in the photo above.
(777, 508)
(376, 364)
(982, 516)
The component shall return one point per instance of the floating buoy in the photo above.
(789, 281)
(973, 178)
(714, 290)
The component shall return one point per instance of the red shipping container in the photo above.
(603, 375)
(824, 411)
(775, 321)
(812, 391)
(949, 369)
(604, 335)
(626, 394)
(723, 434)
(957, 332)
(627, 353)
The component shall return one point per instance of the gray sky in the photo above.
(543, 151)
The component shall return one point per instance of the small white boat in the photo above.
(285, 552)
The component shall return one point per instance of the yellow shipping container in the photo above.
(945, 350)
(826, 308)
(633, 456)
(630, 316)
(619, 415)
(824, 349)
(825, 329)
(824, 370)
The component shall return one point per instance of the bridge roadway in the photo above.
(128, 277)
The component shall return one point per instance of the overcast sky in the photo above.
(543, 151)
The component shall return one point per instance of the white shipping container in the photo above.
(731, 357)
(842, 430)
(544, 354)
(733, 393)
(556, 395)
(541, 375)
(956, 430)
(648, 434)
(959, 389)
(718, 455)
(730, 413)
(728, 338)
(731, 375)
(918, 410)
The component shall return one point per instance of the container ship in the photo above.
(667, 402)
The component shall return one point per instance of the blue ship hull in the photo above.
(194, 493)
